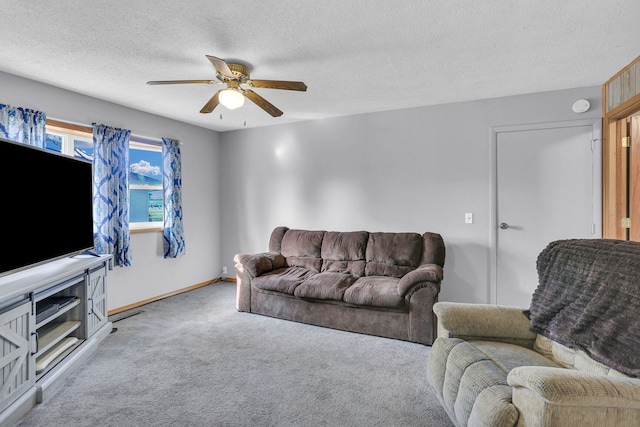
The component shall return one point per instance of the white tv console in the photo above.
(52, 318)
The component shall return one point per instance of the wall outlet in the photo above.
(224, 270)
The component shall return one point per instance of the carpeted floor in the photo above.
(193, 360)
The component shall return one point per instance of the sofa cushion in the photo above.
(325, 285)
(275, 241)
(572, 358)
(376, 291)
(475, 381)
(284, 280)
(344, 252)
(434, 251)
(393, 254)
(301, 248)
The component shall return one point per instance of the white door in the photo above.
(545, 192)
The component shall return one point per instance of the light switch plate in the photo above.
(468, 218)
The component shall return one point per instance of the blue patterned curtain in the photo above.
(111, 193)
(172, 186)
(23, 125)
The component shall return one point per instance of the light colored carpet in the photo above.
(193, 360)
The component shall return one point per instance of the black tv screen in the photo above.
(46, 208)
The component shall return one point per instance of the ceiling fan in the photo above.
(234, 76)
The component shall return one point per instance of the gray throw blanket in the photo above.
(588, 297)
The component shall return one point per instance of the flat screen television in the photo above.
(46, 206)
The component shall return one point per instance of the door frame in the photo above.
(596, 128)
(620, 99)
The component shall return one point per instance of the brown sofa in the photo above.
(382, 284)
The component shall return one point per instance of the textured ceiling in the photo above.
(356, 56)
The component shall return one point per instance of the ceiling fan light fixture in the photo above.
(231, 98)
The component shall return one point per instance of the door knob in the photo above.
(504, 225)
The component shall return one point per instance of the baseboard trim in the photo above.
(163, 296)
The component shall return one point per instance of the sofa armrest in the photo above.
(559, 396)
(484, 322)
(424, 273)
(249, 266)
(572, 387)
(257, 264)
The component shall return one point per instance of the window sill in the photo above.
(144, 228)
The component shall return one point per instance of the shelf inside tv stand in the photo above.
(59, 313)
(52, 333)
(55, 354)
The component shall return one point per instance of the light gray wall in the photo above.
(416, 170)
(150, 275)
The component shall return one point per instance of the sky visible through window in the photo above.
(147, 163)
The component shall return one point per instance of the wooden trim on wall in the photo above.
(70, 127)
(82, 130)
(614, 176)
(634, 179)
(622, 173)
(609, 182)
(146, 230)
(622, 91)
(625, 68)
(620, 100)
(163, 296)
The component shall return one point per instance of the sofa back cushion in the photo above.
(301, 248)
(393, 254)
(344, 252)
(434, 251)
(275, 241)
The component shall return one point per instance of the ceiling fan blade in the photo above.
(221, 66)
(278, 84)
(263, 103)
(174, 82)
(212, 104)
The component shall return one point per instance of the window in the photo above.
(145, 185)
(73, 145)
(146, 207)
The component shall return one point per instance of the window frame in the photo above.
(142, 227)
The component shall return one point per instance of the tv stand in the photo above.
(52, 318)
